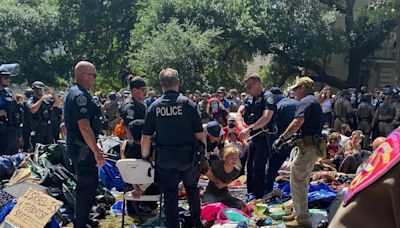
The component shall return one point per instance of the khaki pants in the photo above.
(385, 128)
(300, 172)
(111, 127)
(336, 124)
(365, 127)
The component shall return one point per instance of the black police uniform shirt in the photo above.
(175, 120)
(8, 104)
(286, 109)
(131, 110)
(44, 113)
(311, 110)
(79, 105)
(255, 106)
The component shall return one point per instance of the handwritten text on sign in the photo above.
(34, 209)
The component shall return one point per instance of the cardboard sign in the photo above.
(5, 198)
(33, 210)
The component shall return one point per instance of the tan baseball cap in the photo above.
(307, 81)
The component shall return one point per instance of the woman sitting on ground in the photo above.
(221, 173)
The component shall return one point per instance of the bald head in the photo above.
(83, 67)
(377, 142)
(85, 74)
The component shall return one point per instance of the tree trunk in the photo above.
(353, 73)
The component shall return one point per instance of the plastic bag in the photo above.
(110, 177)
(209, 212)
(232, 215)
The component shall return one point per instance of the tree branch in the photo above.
(332, 3)
(322, 75)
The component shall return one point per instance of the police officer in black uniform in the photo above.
(177, 125)
(10, 116)
(39, 107)
(82, 119)
(134, 108)
(286, 109)
(26, 123)
(257, 113)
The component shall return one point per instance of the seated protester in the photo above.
(132, 149)
(333, 148)
(352, 153)
(345, 133)
(231, 127)
(214, 140)
(217, 111)
(232, 140)
(221, 173)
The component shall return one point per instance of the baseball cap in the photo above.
(4, 71)
(307, 81)
(214, 129)
(137, 83)
(276, 91)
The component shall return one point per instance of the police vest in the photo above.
(364, 112)
(387, 109)
(112, 109)
(173, 122)
(338, 108)
(13, 110)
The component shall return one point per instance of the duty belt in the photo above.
(386, 121)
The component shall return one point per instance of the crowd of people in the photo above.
(251, 133)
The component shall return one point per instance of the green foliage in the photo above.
(180, 46)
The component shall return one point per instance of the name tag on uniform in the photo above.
(169, 111)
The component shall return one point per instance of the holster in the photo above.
(199, 158)
(313, 140)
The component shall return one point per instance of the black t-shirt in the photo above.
(132, 110)
(44, 112)
(217, 167)
(133, 150)
(310, 109)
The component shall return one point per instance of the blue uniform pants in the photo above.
(168, 180)
(275, 162)
(258, 156)
(87, 182)
(9, 142)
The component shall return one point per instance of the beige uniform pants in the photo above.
(385, 128)
(300, 172)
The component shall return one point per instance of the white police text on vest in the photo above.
(169, 111)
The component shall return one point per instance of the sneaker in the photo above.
(297, 224)
(250, 197)
(288, 218)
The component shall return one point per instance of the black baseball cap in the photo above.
(276, 91)
(214, 129)
(137, 83)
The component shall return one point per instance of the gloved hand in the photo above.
(276, 146)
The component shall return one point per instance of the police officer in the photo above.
(82, 120)
(286, 109)
(174, 159)
(26, 123)
(365, 113)
(39, 107)
(385, 114)
(134, 107)
(257, 113)
(10, 116)
(110, 108)
(308, 121)
(342, 109)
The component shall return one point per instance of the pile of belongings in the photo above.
(50, 171)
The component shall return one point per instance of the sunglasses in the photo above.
(93, 74)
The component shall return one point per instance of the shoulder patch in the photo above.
(270, 100)
(81, 100)
(130, 113)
